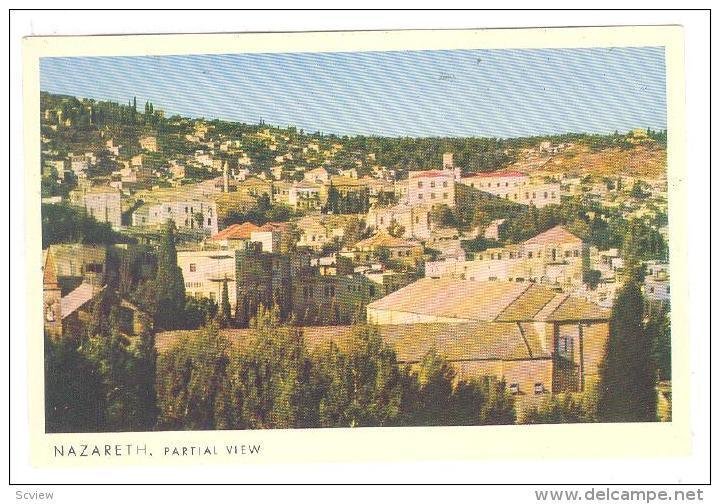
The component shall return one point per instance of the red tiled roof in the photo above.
(430, 173)
(509, 173)
(558, 234)
(236, 232)
(273, 226)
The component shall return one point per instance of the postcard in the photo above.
(250, 248)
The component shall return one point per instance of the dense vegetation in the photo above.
(63, 223)
(272, 380)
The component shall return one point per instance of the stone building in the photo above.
(200, 215)
(562, 337)
(384, 247)
(100, 202)
(555, 257)
(515, 186)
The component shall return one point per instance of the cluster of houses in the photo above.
(523, 313)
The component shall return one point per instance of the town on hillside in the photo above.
(492, 263)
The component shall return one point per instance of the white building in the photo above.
(304, 194)
(268, 239)
(555, 257)
(657, 281)
(205, 272)
(492, 231)
(317, 175)
(415, 220)
(79, 165)
(431, 187)
(101, 202)
(515, 186)
(149, 143)
(204, 159)
(193, 214)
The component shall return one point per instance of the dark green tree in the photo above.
(559, 409)
(193, 386)
(363, 385)
(225, 313)
(169, 284)
(435, 377)
(627, 373)
(658, 328)
(125, 368)
(269, 375)
(73, 390)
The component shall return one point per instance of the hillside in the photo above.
(73, 125)
(646, 160)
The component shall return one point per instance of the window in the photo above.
(539, 388)
(576, 253)
(545, 195)
(565, 346)
(432, 195)
(432, 183)
(209, 222)
(94, 268)
(445, 195)
(445, 183)
(420, 184)
(420, 196)
(169, 209)
(186, 209)
(193, 267)
(514, 388)
(530, 254)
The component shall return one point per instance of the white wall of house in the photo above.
(204, 272)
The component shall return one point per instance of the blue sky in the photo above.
(484, 93)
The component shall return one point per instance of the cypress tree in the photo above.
(170, 286)
(627, 375)
(225, 313)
